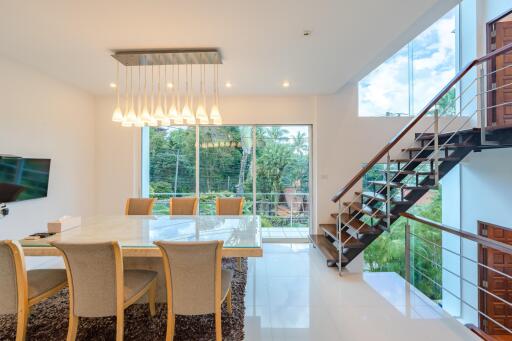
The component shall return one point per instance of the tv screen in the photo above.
(23, 179)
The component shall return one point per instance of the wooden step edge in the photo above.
(407, 172)
(328, 250)
(356, 206)
(400, 185)
(417, 160)
(357, 225)
(329, 229)
(381, 198)
(430, 148)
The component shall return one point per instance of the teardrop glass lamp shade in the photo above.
(173, 112)
(201, 114)
(131, 116)
(215, 113)
(145, 116)
(159, 113)
(117, 116)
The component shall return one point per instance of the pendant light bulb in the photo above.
(201, 114)
(159, 113)
(173, 112)
(215, 113)
(117, 116)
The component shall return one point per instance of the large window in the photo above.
(269, 166)
(408, 80)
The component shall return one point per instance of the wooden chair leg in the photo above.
(152, 299)
(72, 327)
(239, 263)
(120, 327)
(21, 329)
(218, 326)
(171, 322)
(229, 304)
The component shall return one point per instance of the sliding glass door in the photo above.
(225, 160)
(269, 166)
(172, 165)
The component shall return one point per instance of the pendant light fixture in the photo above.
(117, 116)
(173, 110)
(201, 114)
(167, 106)
(215, 111)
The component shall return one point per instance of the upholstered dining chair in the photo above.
(229, 206)
(183, 206)
(139, 206)
(196, 283)
(21, 289)
(99, 286)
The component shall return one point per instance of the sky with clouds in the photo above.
(386, 89)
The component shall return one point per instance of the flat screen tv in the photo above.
(23, 178)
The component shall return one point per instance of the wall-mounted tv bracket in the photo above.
(4, 210)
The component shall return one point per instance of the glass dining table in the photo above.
(136, 234)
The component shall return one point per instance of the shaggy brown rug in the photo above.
(49, 319)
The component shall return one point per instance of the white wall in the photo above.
(41, 117)
(118, 148)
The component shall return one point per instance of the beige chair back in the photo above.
(95, 275)
(183, 206)
(230, 206)
(139, 206)
(193, 273)
(13, 277)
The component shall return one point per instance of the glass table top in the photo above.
(142, 231)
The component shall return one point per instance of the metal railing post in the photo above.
(338, 235)
(388, 191)
(436, 146)
(407, 252)
(482, 94)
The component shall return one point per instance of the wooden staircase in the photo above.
(412, 176)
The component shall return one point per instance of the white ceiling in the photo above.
(261, 41)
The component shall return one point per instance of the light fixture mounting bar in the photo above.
(168, 57)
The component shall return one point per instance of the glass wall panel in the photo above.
(225, 160)
(172, 164)
(433, 63)
(282, 181)
(407, 81)
(385, 91)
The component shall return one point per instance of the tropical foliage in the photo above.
(387, 253)
(226, 169)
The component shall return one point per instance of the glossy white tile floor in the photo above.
(292, 295)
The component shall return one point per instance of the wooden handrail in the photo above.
(479, 332)
(493, 244)
(413, 122)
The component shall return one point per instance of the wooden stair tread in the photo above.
(365, 209)
(400, 185)
(430, 148)
(441, 159)
(327, 249)
(428, 136)
(357, 225)
(347, 240)
(380, 198)
(407, 172)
